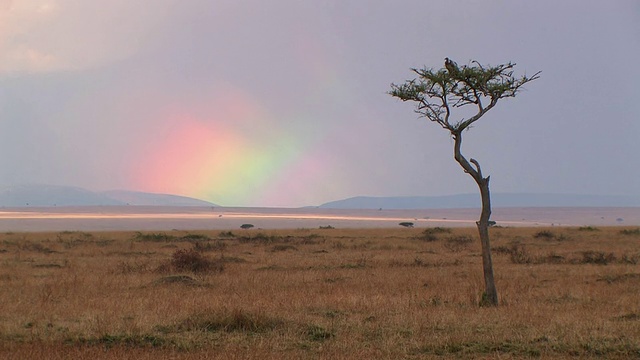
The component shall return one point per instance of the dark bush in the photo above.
(588, 228)
(630, 231)
(192, 260)
(195, 237)
(520, 255)
(218, 245)
(544, 234)
(159, 237)
(431, 234)
(458, 243)
(597, 257)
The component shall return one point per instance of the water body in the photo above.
(113, 218)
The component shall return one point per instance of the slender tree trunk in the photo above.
(490, 296)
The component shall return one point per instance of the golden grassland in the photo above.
(319, 293)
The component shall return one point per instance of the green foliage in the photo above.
(438, 91)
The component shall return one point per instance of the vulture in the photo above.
(451, 66)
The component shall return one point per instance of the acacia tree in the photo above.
(470, 91)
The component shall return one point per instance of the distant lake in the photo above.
(113, 218)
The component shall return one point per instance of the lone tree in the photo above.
(470, 91)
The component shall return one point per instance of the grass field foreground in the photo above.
(319, 293)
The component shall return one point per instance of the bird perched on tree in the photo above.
(451, 66)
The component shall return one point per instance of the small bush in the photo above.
(630, 258)
(283, 248)
(458, 243)
(126, 267)
(210, 246)
(544, 234)
(328, 227)
(588, 228)
(195, 237)
(520, 255)
(237, 320)
(431, 234)
(246, 226)
(226, 234)
(406, 224)
(318, 333)
(630, 231)
(192, 260)
(156, 237)
(597, 257)
(261, 238)
(129, 340)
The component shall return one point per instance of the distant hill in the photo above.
(473, 201)
(54, 195)
(150, 199)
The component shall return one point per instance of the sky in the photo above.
(284, 103)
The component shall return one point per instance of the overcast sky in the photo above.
(284, 103)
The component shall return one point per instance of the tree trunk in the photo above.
(490, 293)
(490, 296)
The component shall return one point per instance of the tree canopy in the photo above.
(438, 92)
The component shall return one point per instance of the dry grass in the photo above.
(321, 293)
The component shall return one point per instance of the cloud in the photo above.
(40, 36)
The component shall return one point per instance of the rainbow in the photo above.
(234, 154)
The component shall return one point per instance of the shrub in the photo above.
(283, 248)
(159, 237)
(520, 255)
(237, 320)
(458, 243)
(192, 260)
(597, 257)
(246, 226)
(544, 234)
(431, 234)
(195, 237)
(588, 228)
(318, 333)
(630, 231)
(208, 246)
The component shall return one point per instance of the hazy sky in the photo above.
(283, 102)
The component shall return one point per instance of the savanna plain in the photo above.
(325, 293)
